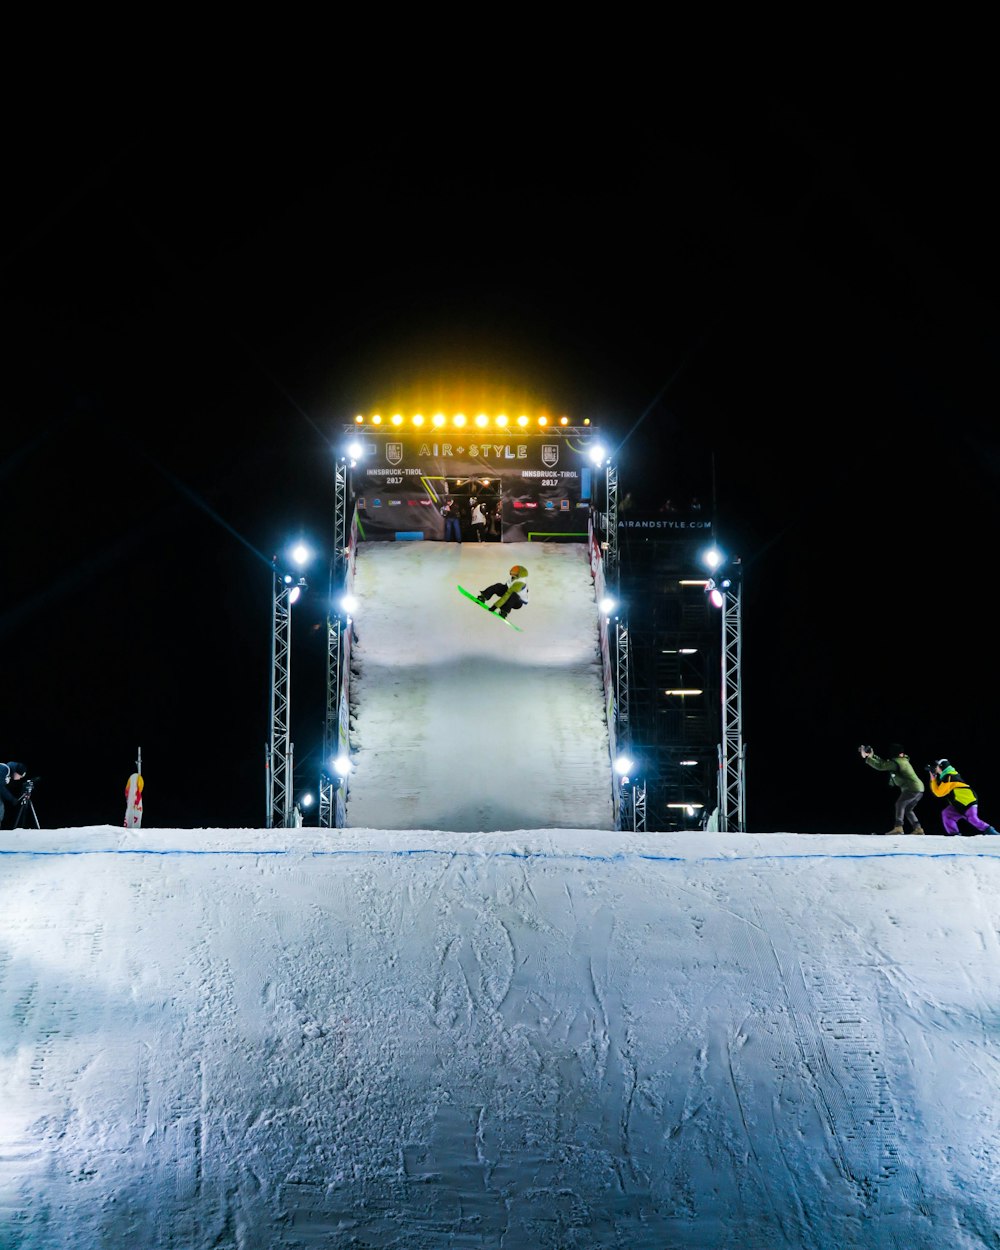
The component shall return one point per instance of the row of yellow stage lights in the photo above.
(460, 419)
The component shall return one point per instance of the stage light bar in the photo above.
(540, 422)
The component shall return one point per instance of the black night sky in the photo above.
(803, 297)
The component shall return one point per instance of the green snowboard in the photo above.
(475, 599)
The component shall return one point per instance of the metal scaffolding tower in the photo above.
(334, 640)
(334, 627)
(732, 800)
(341, 521)
(610, 543)
(280, 772)
(631, 795)
(639, 807)
(280, 747)
(623, 733)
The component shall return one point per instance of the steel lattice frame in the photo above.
(330, 722)
(340, 522)
(326, 792)
(639, 807)
(611, 525)
(732, 801)
(280, 804)
(623, 734)
(334, 634)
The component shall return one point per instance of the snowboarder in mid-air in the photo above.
(510, 595)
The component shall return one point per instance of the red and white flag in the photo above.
(133, 797)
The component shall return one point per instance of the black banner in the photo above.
(533, 488)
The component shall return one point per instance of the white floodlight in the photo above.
(607, 605)
(355, 451)
(342, 765)
(623, 765)
(712, 558)
(597, 454)
(348, 603)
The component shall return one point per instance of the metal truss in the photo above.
(623, 728)
(732, 799)
(334, 627)
(611, 524)
(623, 733)
(334, 643)
(326, 792)
(340, 523)
(280, 751)
(631, 798)
(639, 807)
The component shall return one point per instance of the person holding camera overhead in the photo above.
(946, 783)
(8, 773)
(908, 786)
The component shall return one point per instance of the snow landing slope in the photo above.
(537, 1040)
(436, 678)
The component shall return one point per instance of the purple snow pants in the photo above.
(951, 815)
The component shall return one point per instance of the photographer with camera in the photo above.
(909, 788)
(947, 783)
(13, 771)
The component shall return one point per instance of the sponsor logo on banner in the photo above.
(641, 524)
(394, 452)
(550, 454)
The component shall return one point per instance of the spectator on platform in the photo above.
(452, 524)
(478, 519)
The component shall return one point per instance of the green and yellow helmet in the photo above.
(518, 571)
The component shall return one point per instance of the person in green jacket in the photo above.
(908, 786)
(947, 783)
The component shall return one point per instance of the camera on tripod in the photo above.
(25, 807)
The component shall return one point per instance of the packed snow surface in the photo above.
(543, 1038)
(535, 1038)
(440, 682)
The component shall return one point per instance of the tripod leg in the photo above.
(21, 808)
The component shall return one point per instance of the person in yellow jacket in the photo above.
(907, 785)
(511, 594)
(946, 783)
